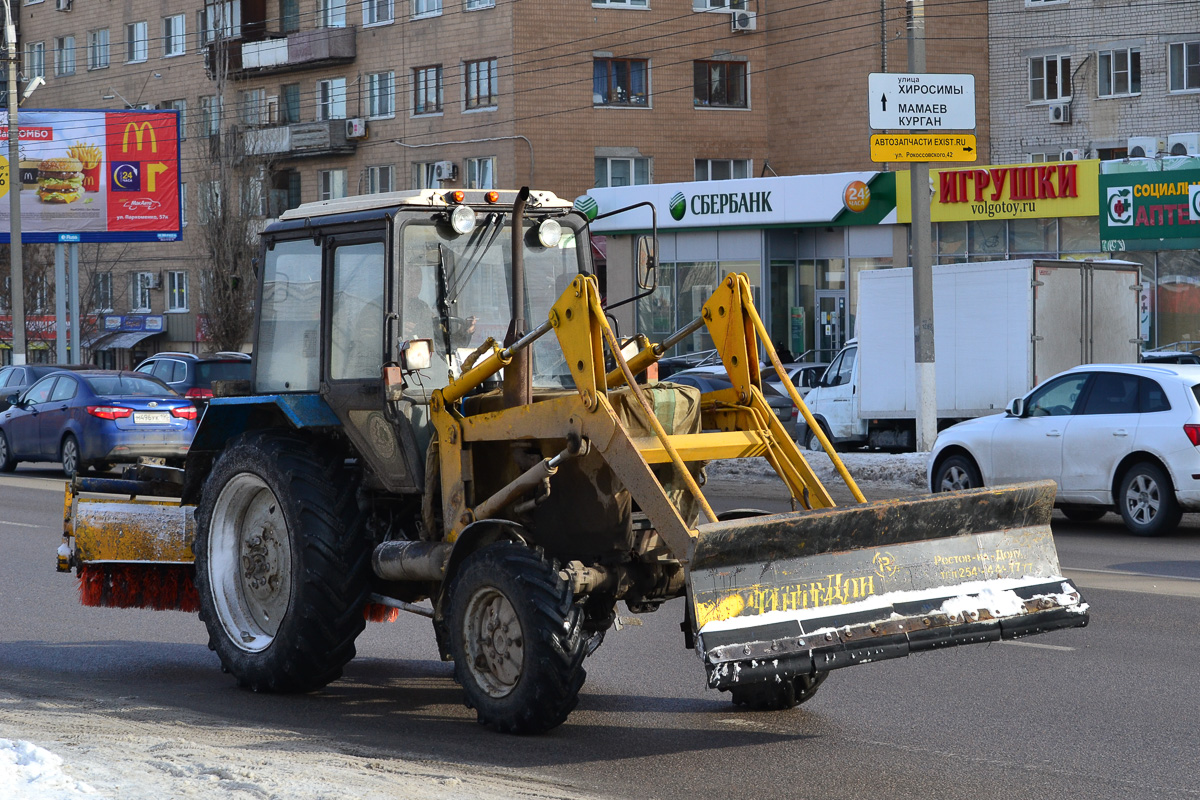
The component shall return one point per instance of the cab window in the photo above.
(288, 351)
(356, 339)
(40, 391)
(1057, 398)
(63, 390)
(1112, 393)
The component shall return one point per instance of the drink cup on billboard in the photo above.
(91, 178)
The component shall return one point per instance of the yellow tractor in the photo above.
(440, 411)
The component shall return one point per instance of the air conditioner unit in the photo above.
(155, 280)
(1184, 144)
(356, 128)
(62, 5)
(445, 171)
(1071, 155)
(744, 21)
(1145, 146)
(1060, 113)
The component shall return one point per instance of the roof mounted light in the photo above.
(456, 196)
(549, 233)
(462, 218)
(492, 196)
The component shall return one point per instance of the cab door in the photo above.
(54, 415)
(357, 305)
(22, 426)
(1030, 447)
(1101, 434)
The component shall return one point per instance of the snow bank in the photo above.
(28, 772)
(894, 469)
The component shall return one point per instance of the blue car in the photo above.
(95, 418)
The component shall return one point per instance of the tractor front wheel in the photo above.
(282, 565)
(517, 638)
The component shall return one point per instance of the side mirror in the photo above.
(1017, 407)
(647, 263)
(416, 354)
(13, 399)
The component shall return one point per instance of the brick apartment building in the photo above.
(316, 99)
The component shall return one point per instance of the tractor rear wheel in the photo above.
(780, 695)
(282, 565)
(517, 638)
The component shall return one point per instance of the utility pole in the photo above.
(920, 232)
(14, 193)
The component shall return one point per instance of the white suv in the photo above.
(1123, 436)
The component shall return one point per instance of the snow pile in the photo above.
(28, 772)
(893, 469)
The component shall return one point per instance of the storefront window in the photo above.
(695, 282)
(831, 273)
(1033, 237)
(1177, 297)
(857, 266)
(1079, 235)
(1146, 299)
(986, 237)
(656, 313)
(951, 242)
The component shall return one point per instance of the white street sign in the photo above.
(921, 101)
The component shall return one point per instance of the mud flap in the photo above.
(793, 594)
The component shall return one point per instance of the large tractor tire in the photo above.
(282, 565)
(517, 638)
(779, 695)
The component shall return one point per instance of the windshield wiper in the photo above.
(443, 302)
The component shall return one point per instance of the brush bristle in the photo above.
(162, 587)
(377, 612)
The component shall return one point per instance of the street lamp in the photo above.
(14, 193)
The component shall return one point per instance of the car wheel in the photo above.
(956, 473)
(7, 462)
(1084, 513)
(1147, 501)
(72, 463)
(812, 443)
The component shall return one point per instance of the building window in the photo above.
(427, 90)
(1184, 60)
(143, 282)
(422, 8)
(137, 45)
(622, 171)
(719, 83)
(209, 207)
(331, 13)
(102, 292)
(719, 5)
(622, 3)
(98, 49)
(210, 115)
(253, 104)
(1120, 72)
(482, 83)
(177, 291)
(379, 179)
(64, 55)
(331, 99)
(1049, 78)
(333, 184)
(381, 95)
(722, 169)
(620, 82)
(183, 204)
(423, 175)
(289, 110)
(377, 12)
(181, 107)
(474, 5)
(174, 35)
(481, 173)
(220, 21)
(285, 191)
(35, 60)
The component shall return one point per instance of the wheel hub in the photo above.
(494, 640)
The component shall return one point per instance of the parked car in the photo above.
(1113, 436)
(192, 375)
(712, 378)
(14, 379)
(95, 418)
(1170, 357)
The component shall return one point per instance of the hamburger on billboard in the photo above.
(94, 176)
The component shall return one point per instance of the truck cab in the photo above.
(834, 400)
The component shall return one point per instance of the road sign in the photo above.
(921, 101)
(923, 147)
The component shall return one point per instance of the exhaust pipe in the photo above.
(403, 560)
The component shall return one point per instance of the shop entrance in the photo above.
(831, 324)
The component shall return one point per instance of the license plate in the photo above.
(151, 417)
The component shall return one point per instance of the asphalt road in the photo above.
(1104, 712)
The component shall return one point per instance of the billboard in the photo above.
(1007, 191)
(94, 176)
(1150, 210)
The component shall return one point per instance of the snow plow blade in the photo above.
(780, 596)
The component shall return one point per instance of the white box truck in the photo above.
(1000, 327)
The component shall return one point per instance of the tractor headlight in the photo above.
(549, 233)
(462, 219)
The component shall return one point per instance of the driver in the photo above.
(422, 322)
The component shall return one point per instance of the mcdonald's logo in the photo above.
(139, 130)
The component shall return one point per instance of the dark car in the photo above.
(710, 379)
(192, 375)
(16, 378)
(1170, 357)
(95, 418)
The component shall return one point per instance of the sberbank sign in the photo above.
(701, 205)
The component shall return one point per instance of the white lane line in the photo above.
(1036, 644)
(1133, 582)
(20, 524)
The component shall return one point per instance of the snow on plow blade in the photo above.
(792, 594)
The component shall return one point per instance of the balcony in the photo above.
(313, 48)
(299, 140)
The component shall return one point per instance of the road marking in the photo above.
(20, 524)
(1117, 581)
(1036, 644)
